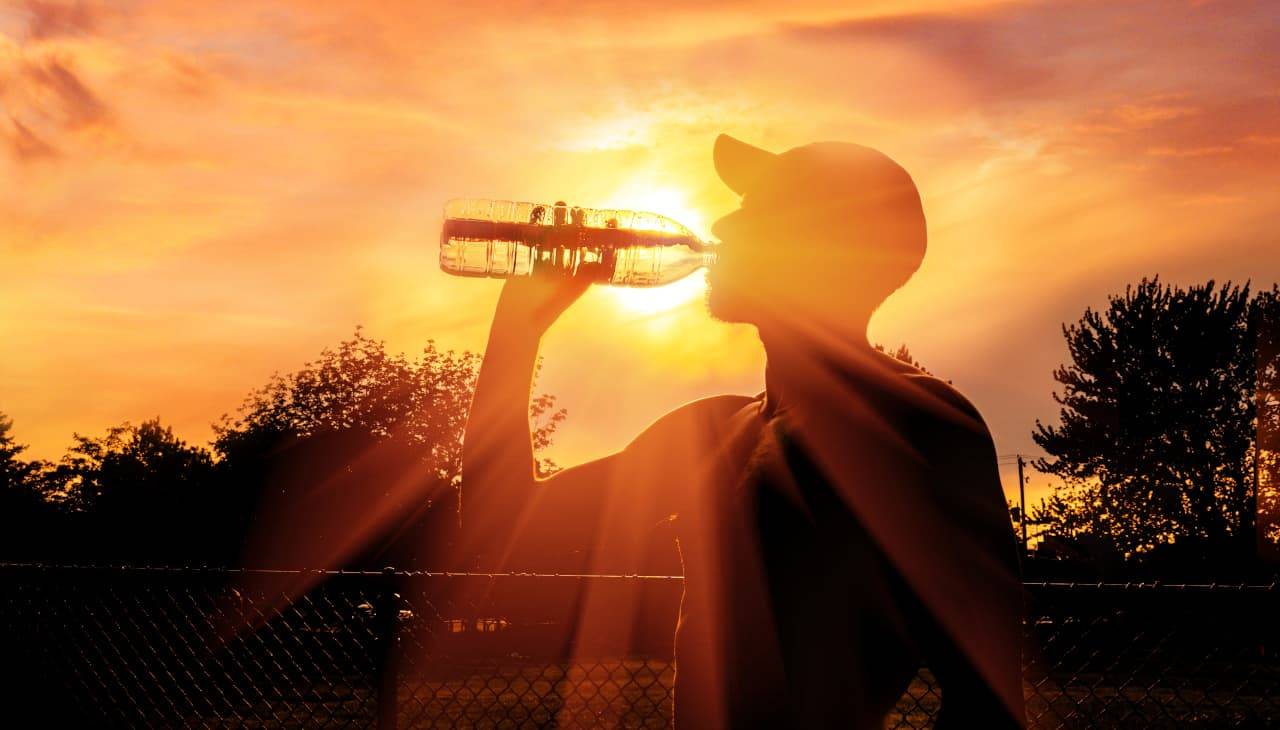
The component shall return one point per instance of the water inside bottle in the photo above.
(502, 239)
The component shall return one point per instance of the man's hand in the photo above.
(536, 302)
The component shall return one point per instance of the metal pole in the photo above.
(387, 617)
(1022, 504)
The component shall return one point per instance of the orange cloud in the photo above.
(26, 146)
(75, 103)
(54, 19)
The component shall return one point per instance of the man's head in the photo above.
(826, 232)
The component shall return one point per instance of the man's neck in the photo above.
(794, 353)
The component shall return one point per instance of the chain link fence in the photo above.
(136, 647)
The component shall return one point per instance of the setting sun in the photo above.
(644, 301)
(673, 202)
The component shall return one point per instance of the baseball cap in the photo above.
(863, 186)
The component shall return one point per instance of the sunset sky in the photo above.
(199, 194)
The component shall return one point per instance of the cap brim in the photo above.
(739, 164)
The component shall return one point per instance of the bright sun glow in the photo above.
(673, 203)
(660, 299)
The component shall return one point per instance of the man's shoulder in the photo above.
(941, 395)
(710, 410)
(940, 406)
(701, 418)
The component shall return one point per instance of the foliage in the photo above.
(24, 509)
(17, 476)
(141, 494)
(904, 355)
(361, 387)
(134, 493)
(1156, 440)
(130, 470)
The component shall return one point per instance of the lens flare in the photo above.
(672, 202)
(657, 300)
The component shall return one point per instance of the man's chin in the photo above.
(725, 307)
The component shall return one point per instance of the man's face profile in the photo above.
(739, 284)
(824, 232)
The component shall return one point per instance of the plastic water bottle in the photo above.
(501, 239)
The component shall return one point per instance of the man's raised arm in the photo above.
(600, 514)
(498, 467)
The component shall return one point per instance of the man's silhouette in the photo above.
(837, 531)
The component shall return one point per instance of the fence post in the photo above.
(387, 618)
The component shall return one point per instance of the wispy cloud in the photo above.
(57, 91)
(53, 19)
(26, 146)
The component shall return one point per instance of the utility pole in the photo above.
(1022, 504)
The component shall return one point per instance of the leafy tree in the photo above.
(1266, 321)
(306, 460)
(17, 476)
(133, 494)
(24, 511)
(130, 468)
(1156, 441)
(361, 387)
(323, 450)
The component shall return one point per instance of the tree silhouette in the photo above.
(18, 477)
(1266, 322)
(1157, 433)
(25, 512)
(129, 468)
(904, 355)
(306, 456)
(135, 494)
(361, 387)
(314, 452)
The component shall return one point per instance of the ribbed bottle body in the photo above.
(501, 239)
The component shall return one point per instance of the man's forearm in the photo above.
(498, 476)
(497, 454)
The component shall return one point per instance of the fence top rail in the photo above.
(1154, 586)
(325, 572)
(193, 571)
